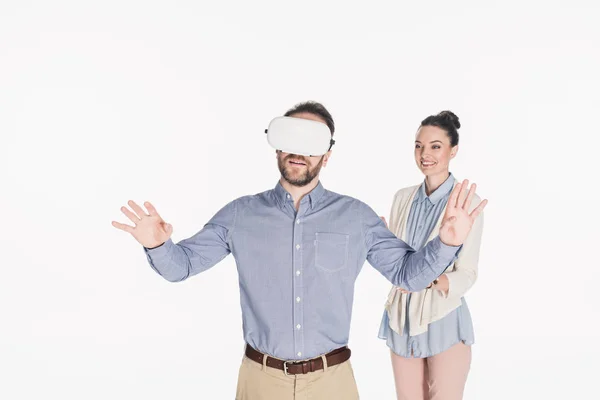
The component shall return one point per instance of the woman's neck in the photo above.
(432, 182)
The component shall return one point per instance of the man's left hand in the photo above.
(457, 221)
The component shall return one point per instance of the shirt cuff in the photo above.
(445, 251)
(161, 252)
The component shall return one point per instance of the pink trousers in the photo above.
(441, 377)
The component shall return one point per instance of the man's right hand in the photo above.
(150, 230)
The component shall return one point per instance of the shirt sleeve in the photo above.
(177, 262)
(397, 261)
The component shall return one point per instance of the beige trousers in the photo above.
(258, 382)
(441, 377)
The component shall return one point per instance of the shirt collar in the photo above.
(314, 195)
(437, 194)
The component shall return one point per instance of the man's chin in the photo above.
(296, 182)
(297, 178)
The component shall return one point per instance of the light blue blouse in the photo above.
(454, 327)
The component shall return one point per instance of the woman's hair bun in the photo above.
(447, 121)
(450, 117)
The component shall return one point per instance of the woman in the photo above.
(430, 333)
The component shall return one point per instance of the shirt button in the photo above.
(297, 246)
(288, 196)
(298, 326)
(297, 273)
(297, 299)
(299, 354)
(297, 221)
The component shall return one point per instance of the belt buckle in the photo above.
(285, 367)
(285, 371)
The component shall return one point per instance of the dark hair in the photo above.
(312, 107)
(446, 120)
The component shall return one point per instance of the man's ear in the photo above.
(326, 158)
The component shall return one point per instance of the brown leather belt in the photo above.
(335, 357)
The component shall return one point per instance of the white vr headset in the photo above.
(300, 136)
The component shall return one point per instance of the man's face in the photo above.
(301, 170)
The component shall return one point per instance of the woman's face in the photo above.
(433, 151)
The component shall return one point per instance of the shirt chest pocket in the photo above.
(331, 251)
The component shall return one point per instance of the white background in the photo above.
(102, 102)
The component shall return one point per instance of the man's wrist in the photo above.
(161, 251)
(155, 247)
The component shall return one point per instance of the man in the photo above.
(299, 249)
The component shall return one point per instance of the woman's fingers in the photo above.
(384, 221)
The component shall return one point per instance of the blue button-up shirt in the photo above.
(297, 269)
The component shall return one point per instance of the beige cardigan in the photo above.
(431, 305)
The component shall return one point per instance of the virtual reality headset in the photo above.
(300, 136)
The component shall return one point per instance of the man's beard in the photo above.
(303, 178)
